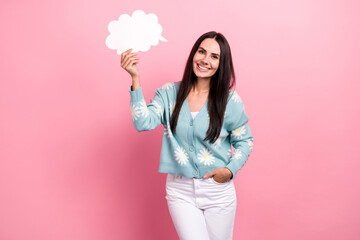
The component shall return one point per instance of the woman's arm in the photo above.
(242, 141)
(135, 83)
(144, 116)
(241, 138)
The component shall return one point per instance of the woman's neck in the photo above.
(201, 86)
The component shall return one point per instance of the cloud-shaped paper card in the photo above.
(139, 32)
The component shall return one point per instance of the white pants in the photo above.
(201, 209)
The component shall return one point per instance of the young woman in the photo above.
(202, 117)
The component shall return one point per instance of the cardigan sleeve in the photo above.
(146, 117)
(240, 137)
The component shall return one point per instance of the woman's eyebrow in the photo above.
(211, 53)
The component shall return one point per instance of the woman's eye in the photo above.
(215, 57)
(201, 51)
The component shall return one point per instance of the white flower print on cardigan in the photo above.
(206, 157)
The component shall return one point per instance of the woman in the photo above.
(202, 118)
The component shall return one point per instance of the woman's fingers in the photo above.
(132, 67)
(123, 55)
(129, 61)
(127, 57)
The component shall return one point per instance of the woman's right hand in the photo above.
(129, 63)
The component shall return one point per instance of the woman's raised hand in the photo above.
(129, 63)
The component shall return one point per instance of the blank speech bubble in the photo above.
(139, 32)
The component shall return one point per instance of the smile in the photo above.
(202, 69)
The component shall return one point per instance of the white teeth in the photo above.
(203, 68)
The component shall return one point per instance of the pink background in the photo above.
(74, 168)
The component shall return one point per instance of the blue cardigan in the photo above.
(186, 153)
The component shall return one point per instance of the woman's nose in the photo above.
(205, 59)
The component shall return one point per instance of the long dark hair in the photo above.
(220, 84)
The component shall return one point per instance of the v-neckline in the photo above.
(200, 111)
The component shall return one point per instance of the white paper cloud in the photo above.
(139, 32)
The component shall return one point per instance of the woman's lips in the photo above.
(202, 68)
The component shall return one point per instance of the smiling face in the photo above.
(207, 58)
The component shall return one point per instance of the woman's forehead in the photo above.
(210, 45)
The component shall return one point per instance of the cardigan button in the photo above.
(192, 148)
(191, 122)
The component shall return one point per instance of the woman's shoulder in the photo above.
(235, 104)
(170, 85)
(169, 90)
(235, 114)
(234, 97)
